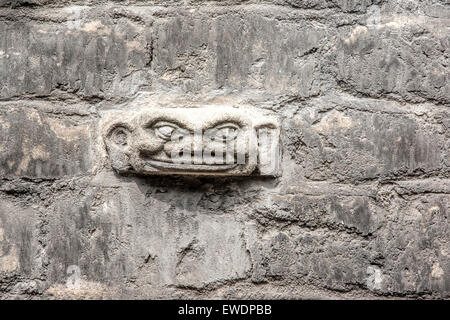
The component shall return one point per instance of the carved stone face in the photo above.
(202, 141)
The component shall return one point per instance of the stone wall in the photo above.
(360, 210)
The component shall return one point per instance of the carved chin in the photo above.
(172, 166)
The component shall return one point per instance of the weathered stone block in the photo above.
(36, 145)
(404, 58)
(195, 53)
(413, 250)
(117, 234)
(21, 254)
(90, 57)
(359, 143)
(347, 213)
(197, 140)
(329, 261)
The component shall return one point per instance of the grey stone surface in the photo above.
(36, 145)
(360, 208)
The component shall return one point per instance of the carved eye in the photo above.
(225, 132)
(165, 130)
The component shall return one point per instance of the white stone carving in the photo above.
(205, 140)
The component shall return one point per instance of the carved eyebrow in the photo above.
(165, 120)
(234, 121)
(268, 125)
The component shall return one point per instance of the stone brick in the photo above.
(36, 145)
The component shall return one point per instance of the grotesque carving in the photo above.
(209, 140)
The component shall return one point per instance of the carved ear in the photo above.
(118, 144)
(269, 152)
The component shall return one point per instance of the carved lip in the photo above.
(190, 167)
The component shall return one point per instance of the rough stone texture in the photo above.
(361, 209)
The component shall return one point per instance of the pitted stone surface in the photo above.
(354, 93)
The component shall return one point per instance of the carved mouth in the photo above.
(189, 167)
